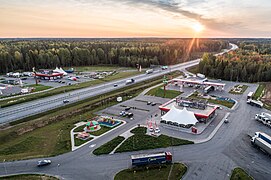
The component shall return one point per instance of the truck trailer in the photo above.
(147, 159)
(265, 118)
(262, 141)
(255, 103)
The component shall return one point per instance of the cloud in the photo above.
(176, 9)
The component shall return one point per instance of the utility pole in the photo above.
(34, 71)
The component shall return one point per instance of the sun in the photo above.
(198, 27)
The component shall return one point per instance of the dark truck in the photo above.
(146, 159)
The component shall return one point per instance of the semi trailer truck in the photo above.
(147, 159)
(262, 141)
(265, 118)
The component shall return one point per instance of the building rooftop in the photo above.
(201, 112)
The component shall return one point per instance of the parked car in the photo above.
(148, 103)
(43, 162)
(157, 130)
(127, 108)
(66, 101)
(153, 104)
(130, 115)
(123, 113)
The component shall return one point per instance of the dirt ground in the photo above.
(267, 94)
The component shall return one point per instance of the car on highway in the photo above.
(115, 85)
(44, 162)
(153, 104)
(148, 103)
(66, 101)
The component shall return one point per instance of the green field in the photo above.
(223, 103)
(159, 172)
(29, 177)
(49, 133)
(39, 87)
(259, 91)
(244, 88)
(100, 68)
(213, 101)
(239, 174)
(159, 92)
(141, 141)
(193, 69)
(78, 142)
(18, 100)
(109, 146)
(103, 129)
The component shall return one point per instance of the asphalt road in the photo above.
(23, 110)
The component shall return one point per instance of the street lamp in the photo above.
(4, 161)
(57, 168)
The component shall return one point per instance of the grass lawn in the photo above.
(79, 128)
(159, 172)
(30, 97)
(103, 129)
(193, 69)
(213, 101)
(109, 146)
(223, 103)
(239, 174)
(259, 91)
(39, 87)
(29, 177)
(243, 87)
(141, 141)
(48, 134)
(78, 142)
(159, 92)
(139, 130)
(100, 68)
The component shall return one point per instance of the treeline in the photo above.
(45, 54)
(242, 65)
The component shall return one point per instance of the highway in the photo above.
(23, 110)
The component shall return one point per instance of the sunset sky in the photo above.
(135, 18)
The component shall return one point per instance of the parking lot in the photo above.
(139, 106)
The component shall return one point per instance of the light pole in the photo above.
(4, 161)
(57, 168)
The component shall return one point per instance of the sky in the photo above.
(135, 18)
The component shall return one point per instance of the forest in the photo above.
(250, 63)
(24, 54)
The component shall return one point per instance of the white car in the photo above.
(44, 162)
(157, 130)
